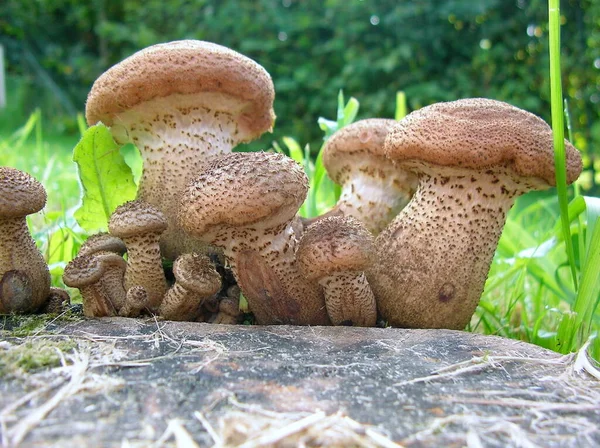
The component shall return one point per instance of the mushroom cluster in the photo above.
(410, 241)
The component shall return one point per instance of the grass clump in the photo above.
(33, 354)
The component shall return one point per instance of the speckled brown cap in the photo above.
(135, 218)
(89, 269)
(478, 133)
(196, 273)
(185, 67)
(241, 189)
(335, 244)
(364, 137)
(20, 194)
(102, 242)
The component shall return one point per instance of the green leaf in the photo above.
(400, 105)
(294, 149)
(106, 180)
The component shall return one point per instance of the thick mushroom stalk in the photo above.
(24, 276)
(182, 104)
(195, 280)
(88, 273)
(135, 302)
(373, 190)
(245, 203)
(473, 158)
(336, 252)
(140, 226)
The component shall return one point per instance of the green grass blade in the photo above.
(558, 130)
(401, 110)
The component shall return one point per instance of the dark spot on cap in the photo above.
(446, 292)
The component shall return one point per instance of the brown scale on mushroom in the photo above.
(246, 203)
(473, 157)
(196, 280)
(140, 226)
(24, 276)
(335, 252)
(373, 190)
(182, 104)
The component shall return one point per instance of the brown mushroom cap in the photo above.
(364, 138)
(242, 189)
(20, 193)
(185, 67)
(335, 244)
(478, 133)
(136, 217)
(102, 242)
(196, 273)
(88, 269)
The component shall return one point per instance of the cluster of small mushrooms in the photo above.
(410, 241)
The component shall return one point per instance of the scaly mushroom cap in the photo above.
(102, 242)
(478, 133)
(20, 194)
(185, 67)
(335, 245)
(88, 269)
(243, 189)
(196, 273)
(135, 218)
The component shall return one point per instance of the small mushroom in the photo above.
(373, 190)
(135, 302)
(229, 312)
(473, 157)
(58, 301)
(335, 252)
(245, 203)
(24, 275)
(182, 104)
(115, 276)
(195, 280)
(140, 226)
(88, 274)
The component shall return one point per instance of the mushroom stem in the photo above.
(144, 266)
(456, 217)
(349, 299)
(19, 252)
(270, 278)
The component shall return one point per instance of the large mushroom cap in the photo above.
(185, 67)
(196, 273)
(364, 138)
(241, 189)
(102, 242)
(335, 244)
(478, 133)
(20, 194)
(136, 217)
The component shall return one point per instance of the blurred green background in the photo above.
(433, 50)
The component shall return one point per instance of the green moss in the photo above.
(32, 355)
(20, 326)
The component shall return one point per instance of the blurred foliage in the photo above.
(432, 50)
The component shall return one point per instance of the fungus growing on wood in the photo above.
(195, 281)
(245, 203)
(473, 157)
(335, 252)
(24, 276)
(373, 190)
(135, 302)
(182, 104)
(140, 226)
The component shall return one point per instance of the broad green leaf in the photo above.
(106, 180)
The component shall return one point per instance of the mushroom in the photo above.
(182, 104)
(24, 275)
(229, 312)
(335, 252)
(58, 301)
(87, 273)
(473, 157)
(373, 190)
(135, 302)
(140, 226)
(245, 203)
(114, 276)
(195, 280)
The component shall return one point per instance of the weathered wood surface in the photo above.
(133, 382)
